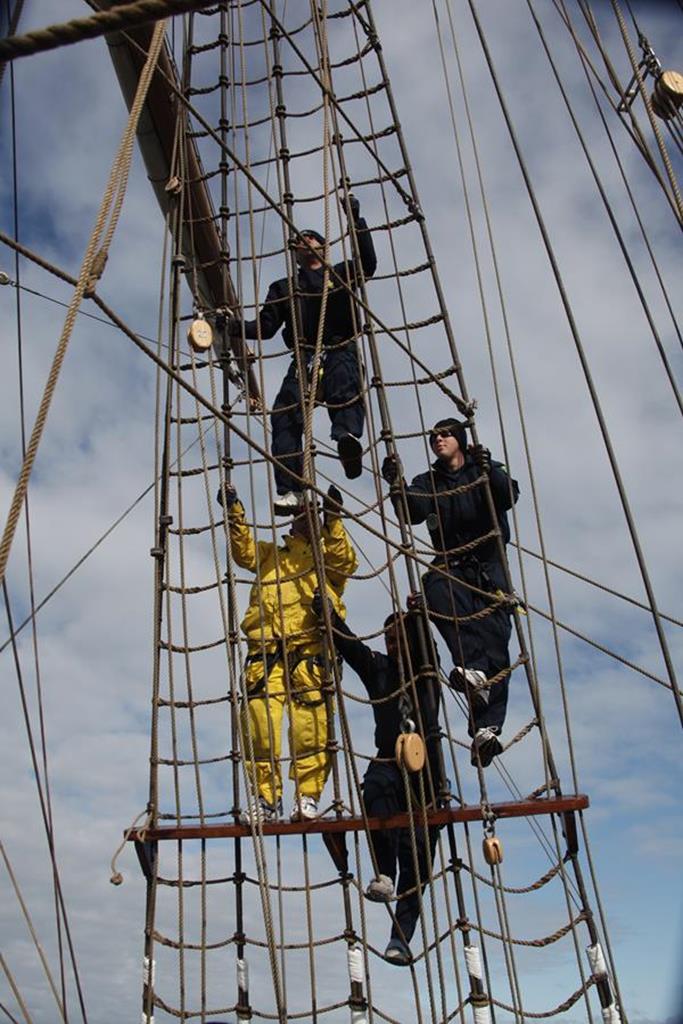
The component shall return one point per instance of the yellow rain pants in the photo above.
(262, 724)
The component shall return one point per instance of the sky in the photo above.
(94, 638)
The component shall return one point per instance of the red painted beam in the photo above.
(467, 812)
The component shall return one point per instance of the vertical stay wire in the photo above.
(29, 546)
(585, 367)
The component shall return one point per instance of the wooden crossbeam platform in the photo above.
(466, 812)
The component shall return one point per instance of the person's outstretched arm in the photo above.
(355, 653)
(504, 490)
(419, 494)
(366, 246)
(339, 554)
(244, 547)
(270, 317)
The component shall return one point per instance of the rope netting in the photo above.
(291, 120)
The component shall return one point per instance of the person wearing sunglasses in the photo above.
(466, 590)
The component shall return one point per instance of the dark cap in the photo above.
(311, 233)
(456, 427)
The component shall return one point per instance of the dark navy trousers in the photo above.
(480, 643)
(340, 390)
(383, 795)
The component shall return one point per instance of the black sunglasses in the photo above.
(441, 432)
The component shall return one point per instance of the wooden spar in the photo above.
(201, 242)
(467, 812)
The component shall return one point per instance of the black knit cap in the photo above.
(458, 430)
(310, 233)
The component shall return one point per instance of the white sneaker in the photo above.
(463, 678)
(289, 503)
(380, 890)
(397, 953)
(259, 810)
(485, 746)
(473, 682)
(305, 809)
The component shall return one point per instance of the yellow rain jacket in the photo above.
(280, 600)
(280, 627)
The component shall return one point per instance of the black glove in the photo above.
(481, 457)
(233, 322)
(391, 469)
(317, 605)
(350, 205)
(230, 496)
(333, 501)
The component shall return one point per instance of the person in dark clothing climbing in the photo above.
(384, 789)
(340, 381)
(471, 581)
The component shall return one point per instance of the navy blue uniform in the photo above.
(453, 521)
(340, 386)
(384, 791)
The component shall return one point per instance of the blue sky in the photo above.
(97, 456)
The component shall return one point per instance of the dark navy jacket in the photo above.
(456, 519)
(339, 317)
(380, 676)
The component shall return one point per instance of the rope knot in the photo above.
(97, 266)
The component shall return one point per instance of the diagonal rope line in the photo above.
(116, 19)
(32, 931)
(102, 234)
(15, 991)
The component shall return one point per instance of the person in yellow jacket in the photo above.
(285, 654)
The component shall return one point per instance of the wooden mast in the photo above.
(201, 242)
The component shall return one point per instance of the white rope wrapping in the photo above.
(611, 1015)
(148, 970)
(242, 975)
(358, 1017)
(355, 960)
(473, 961)
(144, 1019)
(597, 960)
(482, 1014)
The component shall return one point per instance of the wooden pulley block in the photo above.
(667, 96)
(493, 850)
(200, 335)
(410, 751)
